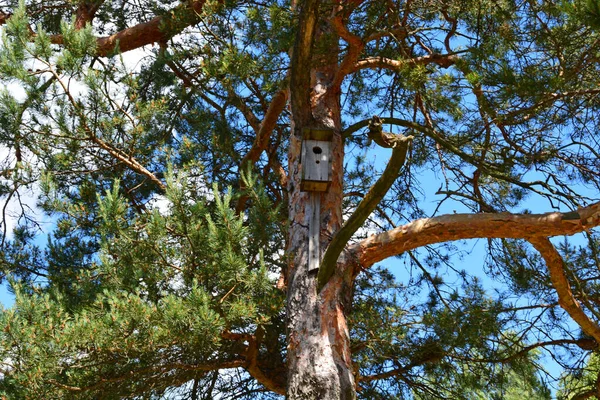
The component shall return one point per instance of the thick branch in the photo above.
(363, 210)
(383, 139)
(273, 383)
(386, 120)
(157, 30)
(251, 343)
(447, 228)
(355, 48)
(556, 269)
(239, 103)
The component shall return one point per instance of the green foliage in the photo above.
(580, 383)
(165, 285)
(15, 39)
(78, 43)
(586, 11)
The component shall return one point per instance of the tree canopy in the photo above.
(164, 252)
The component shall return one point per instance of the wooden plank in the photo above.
(314, 226)
(313, 186)
(317, 134)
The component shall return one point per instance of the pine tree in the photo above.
(167, 252)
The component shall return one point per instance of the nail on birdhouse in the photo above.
(316, 160)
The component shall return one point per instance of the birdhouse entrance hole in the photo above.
(317, 150)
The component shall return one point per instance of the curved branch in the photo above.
(442, 139)
(556, 269)
(427, 131)
(363, 210)
(86, 12)
(385, 120)
(275, 383)
(452, 227)
(250, 343)
(355, 48)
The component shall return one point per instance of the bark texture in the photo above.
(319, 363)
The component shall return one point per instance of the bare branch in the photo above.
(263, 134)
(447, 228)
(443, 60)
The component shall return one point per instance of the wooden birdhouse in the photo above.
(316, 160)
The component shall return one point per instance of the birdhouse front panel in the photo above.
(316, 165)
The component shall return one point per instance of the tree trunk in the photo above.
(319, 364)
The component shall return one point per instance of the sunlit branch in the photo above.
(452, 227)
